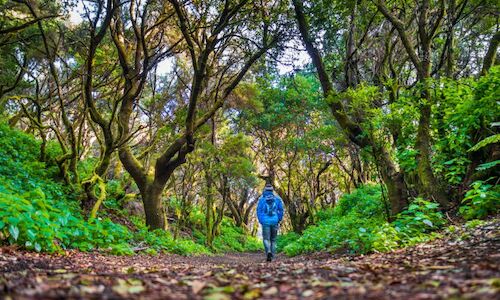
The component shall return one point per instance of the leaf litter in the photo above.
(463, 264)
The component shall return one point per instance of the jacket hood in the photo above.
(267, 193)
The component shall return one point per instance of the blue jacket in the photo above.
(263, 217)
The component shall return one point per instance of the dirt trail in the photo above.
(463, 266)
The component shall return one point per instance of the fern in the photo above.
(489, 140)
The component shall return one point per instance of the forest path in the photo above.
(463, 265)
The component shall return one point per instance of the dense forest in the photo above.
(147, 128)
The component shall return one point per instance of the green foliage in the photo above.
(414, 225)
(286, 239)
(344, 227)
(32, 220)
(420, 217)
(365, 201)
(288, 100)
(36, 211)
(162, 241)
(480, 201)
(464, 108)
(493, 139)
(488, 165)
(232, 238)
(357, 225)
(39, 214)
(474, 223)
(229, 238)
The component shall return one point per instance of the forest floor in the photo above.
(462, 265)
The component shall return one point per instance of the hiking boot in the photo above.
(269, 257)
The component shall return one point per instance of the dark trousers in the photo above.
(269, 233)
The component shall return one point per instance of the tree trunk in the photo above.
(429, 183)
(396, 191)
(90, 200)
(394, 181)
(450, 54)
(430, 186)
(422, 63)
(489, 58)
(350, 69)
(153, 207)
(209, 209)
(297, 218)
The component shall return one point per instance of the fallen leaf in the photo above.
(130, 286)
(252, 294)
(197, 286)
(270, 291)
(217, 296)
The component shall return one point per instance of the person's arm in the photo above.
(260, 210)
(281, 210)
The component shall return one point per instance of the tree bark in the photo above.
(489, 58)
(450, 40)
(153, 207)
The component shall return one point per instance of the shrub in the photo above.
(285, 239)
(420, 217)
(357, 225)
(416, 224)
(345, 227)
(31, 220)
(365, 201)
(162, 241)
(231, 238)
(480, 201)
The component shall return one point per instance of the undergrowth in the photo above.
(37, 212)
(358, 225)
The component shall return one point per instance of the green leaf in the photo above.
(13, 220)
(14, 231)
(38, 247)
(488, 165)
(31, 234)
(489, 140)
(449, 162)
(428, 222)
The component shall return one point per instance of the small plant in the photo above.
(480, 201)
(421, 217)
(474, 223)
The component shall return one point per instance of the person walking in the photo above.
(270, 213)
